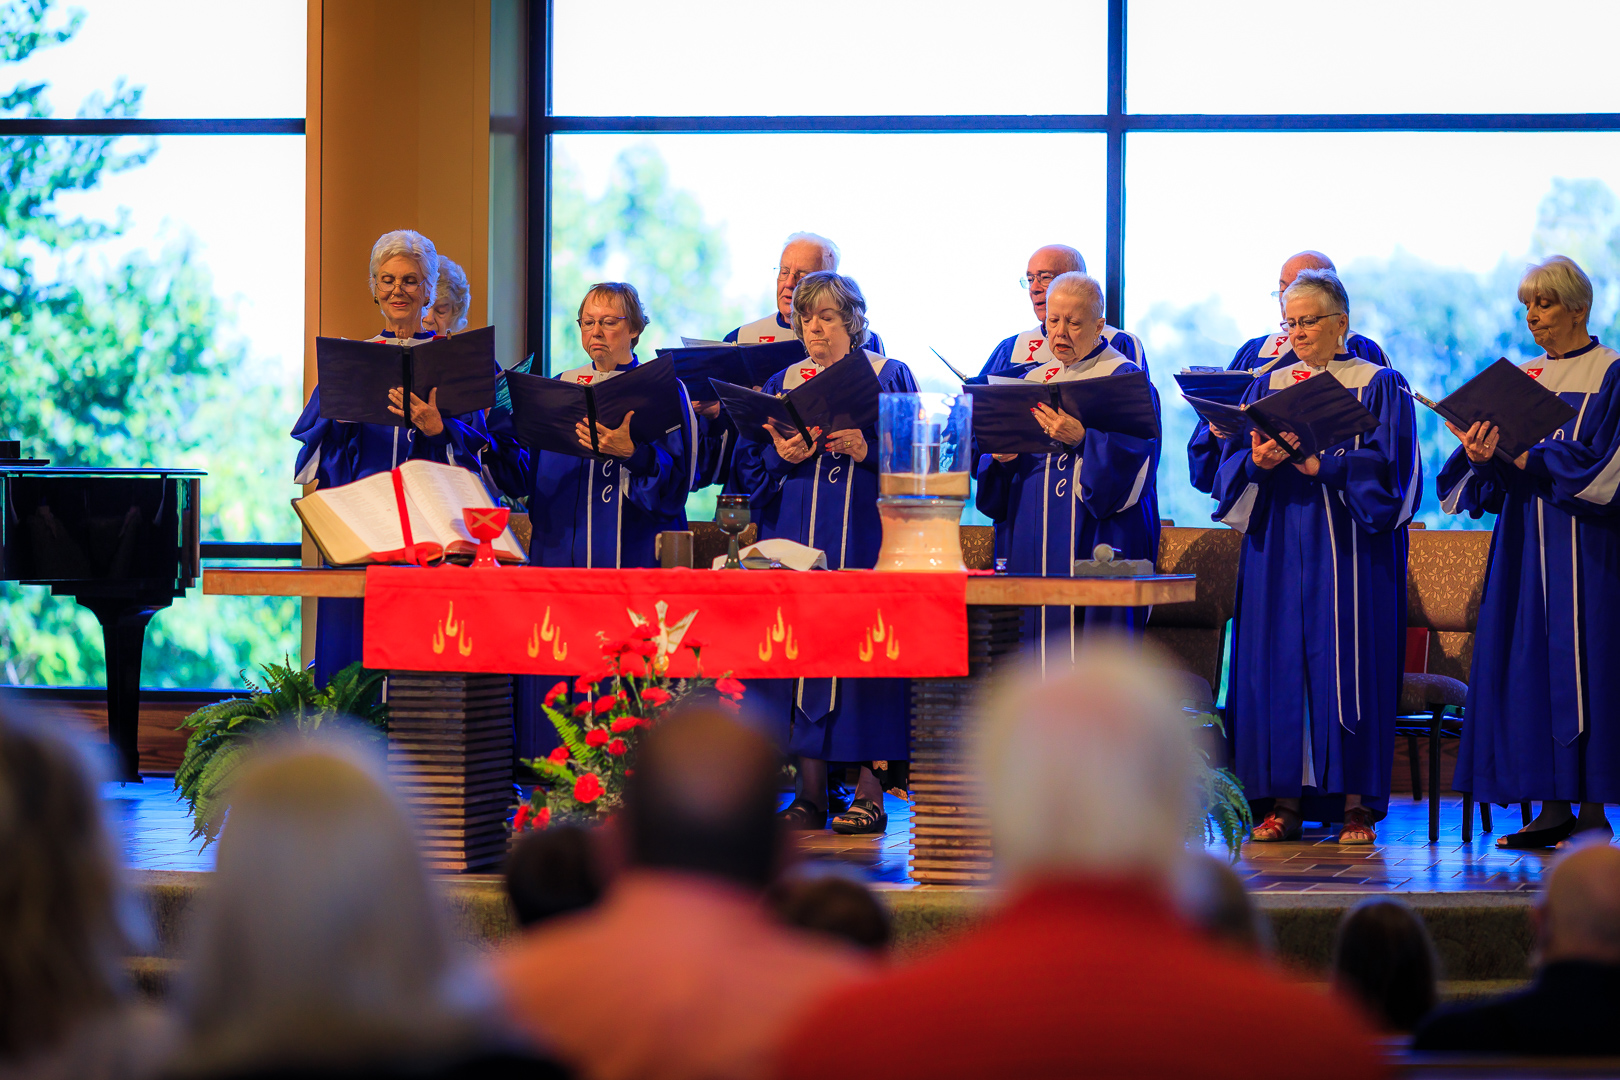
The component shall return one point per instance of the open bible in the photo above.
(364, 522)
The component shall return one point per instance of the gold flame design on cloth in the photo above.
(545, 631)
(879, 634)
(778, 633)
(448, 627)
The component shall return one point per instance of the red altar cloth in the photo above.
(752, 623)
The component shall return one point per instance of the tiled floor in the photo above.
(155, 830)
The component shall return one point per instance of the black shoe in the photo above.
(863, 816)
(803, 815)
(1530, 839)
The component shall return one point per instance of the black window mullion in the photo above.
(1114, 190)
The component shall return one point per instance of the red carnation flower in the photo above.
(617, 747)
(557, 693)
(655, 696)
(521, 818)
(587, 788)
(625, 723)
(614, 647)
(559, 755)
(629, 772)
(596, 737)
(585, 682)
(605, 703)
(542, 817)
(647, 648)
(729, 687)
(582, 708)
(730, 703)
(693, 642)
(644, 631)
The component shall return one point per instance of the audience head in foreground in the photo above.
(1384, 959)
(1570, 1007)
(63, 998)
(1212, 897)
(552, 872)
(714, 978)
(321, 945)
(1087, 970)
(835, 905)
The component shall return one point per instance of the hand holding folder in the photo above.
(1523, 411)
(840, 397)
(1319, 411)
(1004, 420)
(546, 412)
(356, 377)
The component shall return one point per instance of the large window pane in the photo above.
(191, 58)
(1430, 233)
(837, 57)
(1281, 56)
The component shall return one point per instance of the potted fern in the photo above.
(222, 735)
(1223, 810)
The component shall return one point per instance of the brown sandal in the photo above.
(1275, 830)
(1358, 827)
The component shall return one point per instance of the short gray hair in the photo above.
(1081, 284)
(453, 287)
(1060, 755)
(826, 245)
(629, 303)
(1559, 278)
(846, 297)
(1324, 283)
(414, 246)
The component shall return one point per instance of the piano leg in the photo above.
(123, 629)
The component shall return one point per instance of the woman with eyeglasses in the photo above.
(403, 273)
(1544, 690)
(1321, 604)
(602, 511)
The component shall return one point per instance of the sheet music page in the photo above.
(367, 507)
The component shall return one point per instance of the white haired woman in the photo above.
(452, 299)
(1543, 692)
(825, 495)
(603, 512)
(1099, 489)
(403, 273)
(321, 948)
(1321, 604)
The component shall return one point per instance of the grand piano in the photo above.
(124, 543)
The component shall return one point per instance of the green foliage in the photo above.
(222, 735)
(127, 362)
(1223, 810)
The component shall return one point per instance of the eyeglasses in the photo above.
(607, 322)
(792, 273)
(1029, 281)
(390, 283)
(1305, 322)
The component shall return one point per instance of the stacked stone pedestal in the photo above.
(450, 757)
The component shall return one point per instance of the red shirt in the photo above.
(1081, 979)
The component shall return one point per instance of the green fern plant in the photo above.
(222, 735)
(1223, 810)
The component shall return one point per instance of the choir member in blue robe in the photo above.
(1544, 688)
(803, 253)
(1261, 355)
(608, 511)
(825, 495)
(1032, 346)
(452, 300)
(404, 272)
(1321, 603)
(1098, 490)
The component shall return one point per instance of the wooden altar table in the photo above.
(450, 733)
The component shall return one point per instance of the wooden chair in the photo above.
(1444, 580)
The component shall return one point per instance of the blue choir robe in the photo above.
(1544, 688)
(1321, 601)
(1030, 347)
(1259, 355)
(828, 501)
(1055, 506)
(334, 452)
(600, 513)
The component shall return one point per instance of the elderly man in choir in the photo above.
(1263, 354)
(1031, 346)
(1544, 691)
(451, 302)
(1098, 489)
(1321, 603)
(1084, 968)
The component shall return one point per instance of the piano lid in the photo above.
(12, 468)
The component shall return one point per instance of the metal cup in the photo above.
(674, 549)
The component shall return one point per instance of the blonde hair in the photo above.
(452, 285)
(628, 299)
(1061, 756)
(414, 246)
(846, 297)
(1559, 278)
(321, 941)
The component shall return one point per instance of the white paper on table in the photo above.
(792, 555)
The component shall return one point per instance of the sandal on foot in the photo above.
(863, 816)
(1275, 829)
(1358, 826)
(1528, 839)
(802, 815)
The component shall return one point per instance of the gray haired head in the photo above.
(414, 246)
(453, 286)
(824, 285)
(1323, 283)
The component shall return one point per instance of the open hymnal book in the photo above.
(360, 522)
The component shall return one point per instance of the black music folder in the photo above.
(1004, 424)
(1524, 411)
(740, 365)
(1319, 410)
(544, 411)
(355, 376)
(1226, 387)
(841, 397)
